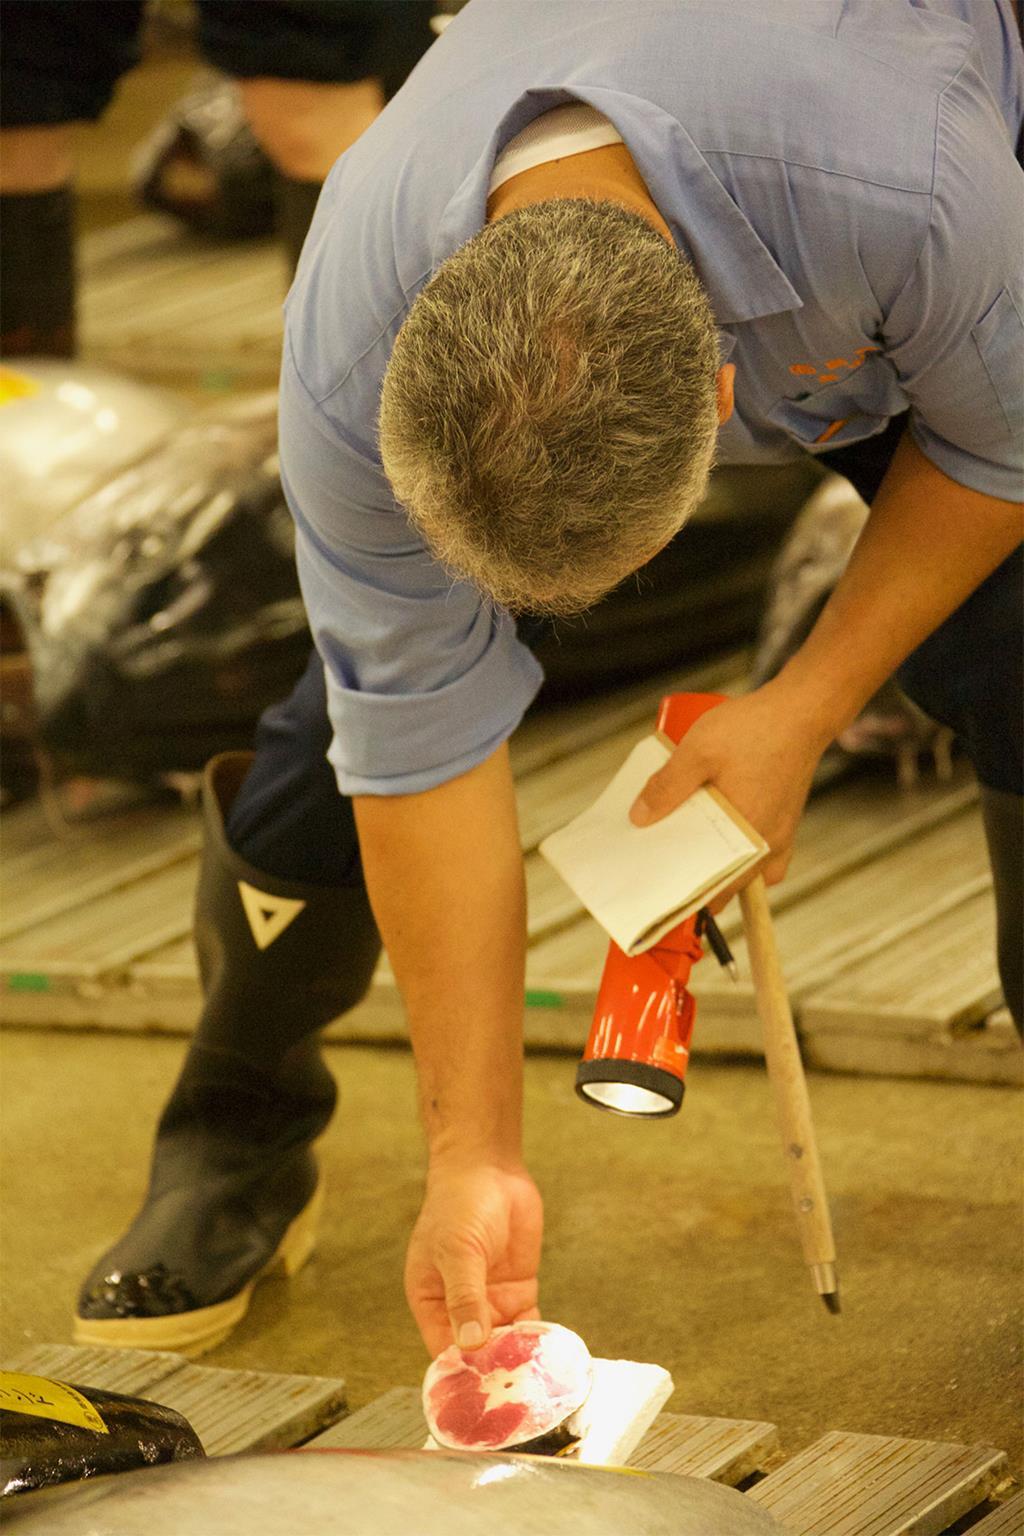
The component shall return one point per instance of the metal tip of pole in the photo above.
(826, 1283)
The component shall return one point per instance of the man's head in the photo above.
(549, 412)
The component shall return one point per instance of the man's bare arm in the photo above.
(445, 877)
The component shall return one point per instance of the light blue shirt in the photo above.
(841, 174)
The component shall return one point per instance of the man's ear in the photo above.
(726, 376)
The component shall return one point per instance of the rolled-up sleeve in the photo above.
(424, 679)
(955, 334)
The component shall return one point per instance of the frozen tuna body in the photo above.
(521, 1387)
(379, 1493)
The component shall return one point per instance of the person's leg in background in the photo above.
(969, 675)
(59, 65)
(313, 74)
(284, 933)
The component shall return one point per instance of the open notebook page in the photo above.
(639, 882)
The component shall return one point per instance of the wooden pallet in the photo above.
(841, 1485)
(889, 960)
(170, 306)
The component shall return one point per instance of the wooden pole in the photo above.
(792, 1105)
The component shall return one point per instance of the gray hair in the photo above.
(549, 412)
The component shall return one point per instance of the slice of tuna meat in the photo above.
(525, 1382)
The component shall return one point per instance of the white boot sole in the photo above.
(193, 1333)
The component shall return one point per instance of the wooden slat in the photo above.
(391, 1422)
(857, 821)
(871, 1485)
(570, 960)
(1007, 1520)
(567, 965)
(550, 904)
(900, 898)
(724, 1450)
(165, 304)
(941, 977)
(23, 828)
(109, 932)
(984, 1055)
(64, 873)
(79, 809)
(871, 907)
(234, 1411)
(229, 1410)
(135, 1372)
(171, 963)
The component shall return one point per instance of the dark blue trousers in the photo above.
(289, 819)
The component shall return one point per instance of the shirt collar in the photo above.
(739, 273)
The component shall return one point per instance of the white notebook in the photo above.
(640, 882)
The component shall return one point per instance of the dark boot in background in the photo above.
(234, 1186)
(1003, 815)
(37, 258)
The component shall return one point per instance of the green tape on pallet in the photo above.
(28, 981)
(544, 999)
(218, 380)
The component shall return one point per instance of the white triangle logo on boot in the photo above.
(268, 915)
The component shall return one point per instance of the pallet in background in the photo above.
(169, 306)
(841, 1485)
(885, 920)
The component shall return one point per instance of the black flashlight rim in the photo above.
(638, 1074)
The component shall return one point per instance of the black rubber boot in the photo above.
(37, 256)
(1003, 815)
(234, 1183)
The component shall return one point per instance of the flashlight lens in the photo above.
(628, 1099)
(629, 1087)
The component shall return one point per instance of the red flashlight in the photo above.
(639, 1047)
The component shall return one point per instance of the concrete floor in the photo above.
(670, 1242)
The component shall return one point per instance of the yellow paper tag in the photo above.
(48, 1399)
(15, 386)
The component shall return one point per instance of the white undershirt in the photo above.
(564, 131)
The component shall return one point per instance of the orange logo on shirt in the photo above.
(835, 366)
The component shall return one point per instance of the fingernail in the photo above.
(471, 1336)
(641, 813)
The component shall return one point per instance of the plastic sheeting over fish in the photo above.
(65, 429)
(163, 612)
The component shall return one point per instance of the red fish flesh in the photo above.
(522, 1387)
